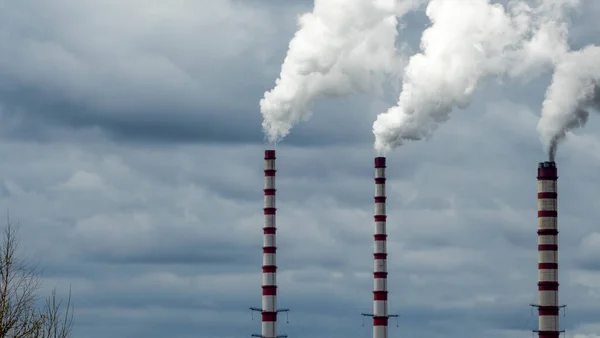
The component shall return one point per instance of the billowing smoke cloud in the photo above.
(342, 47)
(574, 90)
(467, 43)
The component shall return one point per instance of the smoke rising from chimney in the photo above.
(341, 47)
(466, 44)
(575, 89)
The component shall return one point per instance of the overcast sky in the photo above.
(132, 156)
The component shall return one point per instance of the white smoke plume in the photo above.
(574, 90)
(341, 47)
(467, 42)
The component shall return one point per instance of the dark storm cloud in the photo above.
(200, 253)
(157, 125)
(153, 91)
(142, 89)
(226, 122)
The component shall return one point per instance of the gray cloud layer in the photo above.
(132, 156)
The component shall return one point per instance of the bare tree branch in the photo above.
(19, 285)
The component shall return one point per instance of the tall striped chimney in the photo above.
(269, 268)
(269, 280)
(548, 308)
(380, 294)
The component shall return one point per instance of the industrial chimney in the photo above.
(548, 308)
(269, 268)
(380, 294)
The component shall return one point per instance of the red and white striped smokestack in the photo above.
(269, 308)
(380, 293)
(548, 308)
(269, 268)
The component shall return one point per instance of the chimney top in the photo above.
(269, 154)
(379, 162)
(547, 164)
